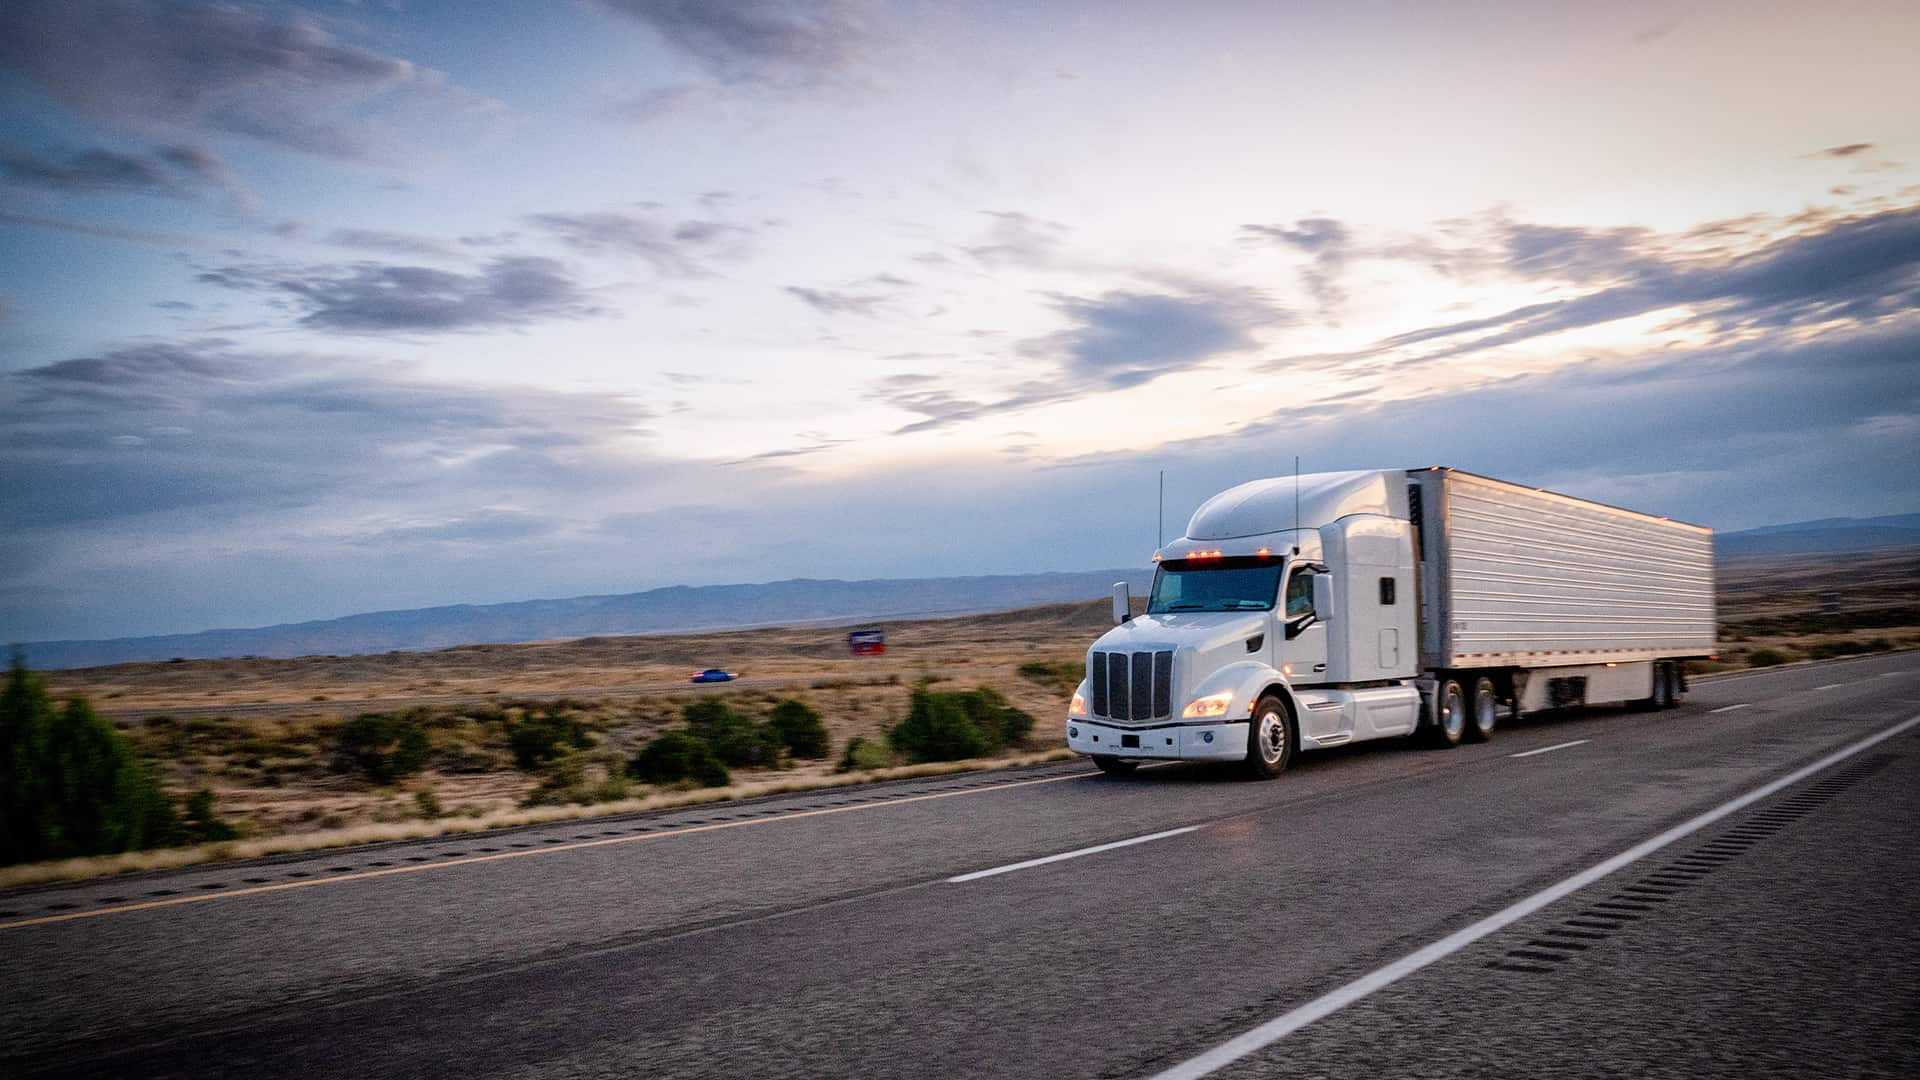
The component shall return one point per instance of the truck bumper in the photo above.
(1182, 742)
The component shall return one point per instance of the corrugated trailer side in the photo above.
(1514, 576)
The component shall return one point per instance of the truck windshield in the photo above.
(1237, 584)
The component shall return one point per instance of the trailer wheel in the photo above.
(1114, 766)
(1269, 739)
(1485, 713)
(1449, 717)
(1664, 695)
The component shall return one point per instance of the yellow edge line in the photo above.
(256, 890)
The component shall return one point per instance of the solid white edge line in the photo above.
(1555, 746)
(1045, 859)
(1289, 1022)
(1730, 708)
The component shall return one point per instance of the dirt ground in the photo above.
(263, 734)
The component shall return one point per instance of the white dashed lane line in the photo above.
(1730, 708)
(1831, 686)
(1556, 746)
(1042, 861)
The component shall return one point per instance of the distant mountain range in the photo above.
(675, 609)
(1824, 535)
(778, 603)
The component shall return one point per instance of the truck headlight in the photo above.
(1211, 705)
(1078, 707)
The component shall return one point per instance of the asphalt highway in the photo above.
(1725, 889)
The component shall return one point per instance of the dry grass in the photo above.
(1786, 609)
(170, 858)
(261, 734)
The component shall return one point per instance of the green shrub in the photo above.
(1766, 658)
(69, 781)
(674, 756)
(800, 730)
(428, 804)
(537, 740)
(562, 781)
(863, 754)
(937, 729)
(382, 746)
(202, 825)
(1001, 723)
(948, 725)
(734, 739)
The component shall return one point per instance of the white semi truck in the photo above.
(1314, 611)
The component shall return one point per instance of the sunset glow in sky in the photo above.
(316, 308)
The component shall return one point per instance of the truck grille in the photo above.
(1132, 686)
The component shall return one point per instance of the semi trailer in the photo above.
(1305, 612)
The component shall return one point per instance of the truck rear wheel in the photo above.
(1269, 739)
(1114, 766)
(1449, 717)
(1666, 687)
(1485, 711)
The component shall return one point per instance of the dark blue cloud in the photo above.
(166, 170)
(1121, 339)
(773, 41)
(374, 298)
(683, 249)
(1326, 240)
(1862, 268)
(252, 71)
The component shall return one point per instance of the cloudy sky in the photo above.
(316, 308)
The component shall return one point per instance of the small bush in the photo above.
(384, 747)
(537, 740)
(70, 783)
(734, 739)
(937, 729)
(674, 756)
(563, 781)
(1766, 658)
(428, 805)
(863, 754)
(949, 725)
(800, 730)
(202, 825)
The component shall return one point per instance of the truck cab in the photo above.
(1285, 619)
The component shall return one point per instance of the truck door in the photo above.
(1303, 638)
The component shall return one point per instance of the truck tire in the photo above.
(1114, 766)
(1665, 689)
(1449, 717)
(1269, 739)
(1484, 711)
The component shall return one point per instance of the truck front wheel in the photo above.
(1114, 766)
(1269, 739)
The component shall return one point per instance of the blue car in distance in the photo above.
(713, 674)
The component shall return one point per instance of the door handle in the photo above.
(1319, 667)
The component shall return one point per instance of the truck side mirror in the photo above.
(1122, 603)
(1323, 597)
